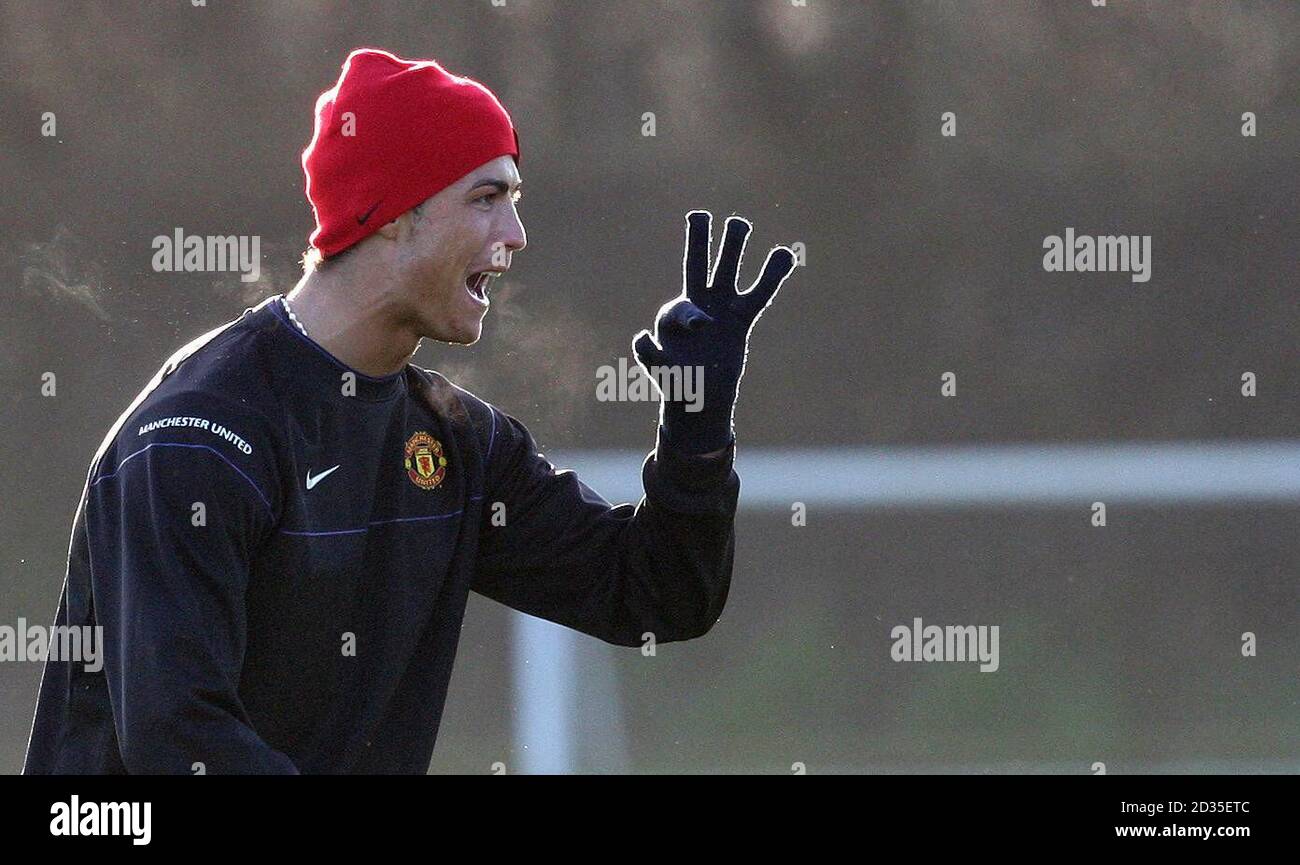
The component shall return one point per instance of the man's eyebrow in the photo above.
(499, 185)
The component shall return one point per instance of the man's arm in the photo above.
(664, 566)
(552, 547)
(172, 527)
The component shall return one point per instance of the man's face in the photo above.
(460, 240)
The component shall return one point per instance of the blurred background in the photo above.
(822, 124)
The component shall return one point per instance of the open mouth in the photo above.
(477, 285)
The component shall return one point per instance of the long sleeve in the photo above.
(566, 554)
(170, 528)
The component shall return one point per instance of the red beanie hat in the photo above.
(390, 134)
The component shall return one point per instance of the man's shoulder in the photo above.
(218, 385)
(451, 399)
(233, 360)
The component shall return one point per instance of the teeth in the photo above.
(478, 285)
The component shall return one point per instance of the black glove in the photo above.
(705, 331)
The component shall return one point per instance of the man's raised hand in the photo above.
(707, 327)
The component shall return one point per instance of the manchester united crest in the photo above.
(426, 465)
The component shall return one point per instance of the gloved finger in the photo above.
(684, 317)
(779, 265)
(733, 248)
(647, 352)
(695, 261)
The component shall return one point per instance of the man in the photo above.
(279, 536)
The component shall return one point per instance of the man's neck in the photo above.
(351, 323)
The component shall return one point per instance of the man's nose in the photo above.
(514, 237)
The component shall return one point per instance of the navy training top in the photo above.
(279, 551)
